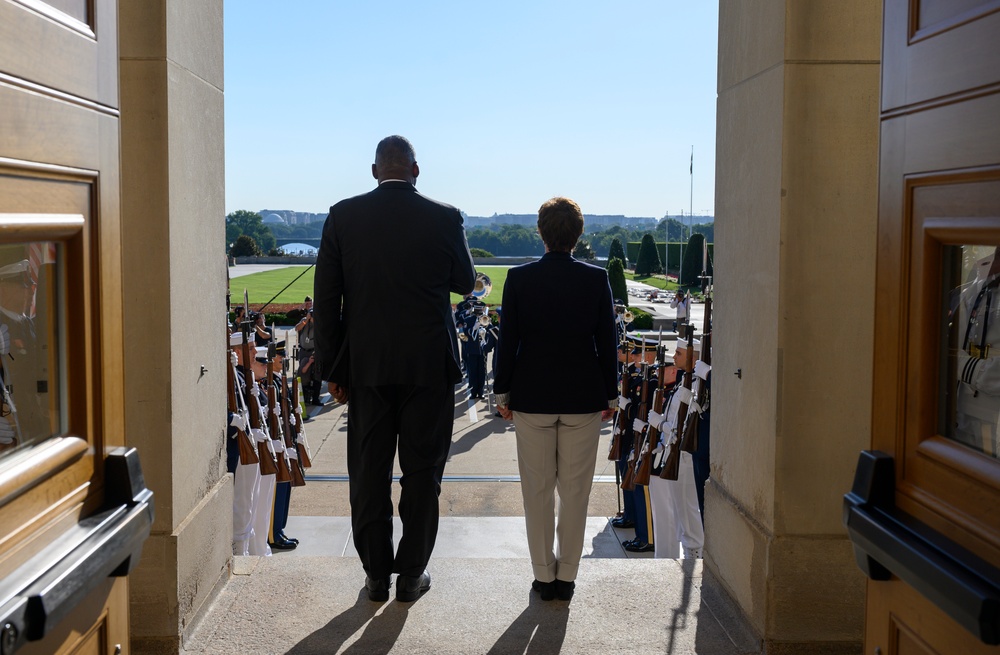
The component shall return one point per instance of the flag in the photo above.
(692, 160)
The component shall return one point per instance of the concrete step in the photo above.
(309, 605)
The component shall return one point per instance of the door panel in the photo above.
(62, 48)
(927, 530)
(74, 509)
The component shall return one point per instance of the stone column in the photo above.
(174, 282)
(796, 211)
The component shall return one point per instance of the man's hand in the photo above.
(607, 414)
(505, 412)
(339, 393)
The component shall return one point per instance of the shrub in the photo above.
(641, 321)
(649, 260)
(479, 252)
(616, 250)
(616, 276)
(245, 246)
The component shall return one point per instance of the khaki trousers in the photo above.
(556, 453)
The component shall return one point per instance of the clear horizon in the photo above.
(506, 105)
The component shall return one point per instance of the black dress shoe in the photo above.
(636, 546)
(410, 587)
(282, 535)
(281, 544)
(564, 590)
(378, 590)
(547, 590)
(622, 523)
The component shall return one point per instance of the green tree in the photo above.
(479, 252)
(616, 251)
(616, 276)
(245, 246)
(584, 251)
(648, 261)
(691, 267)
(251, 224)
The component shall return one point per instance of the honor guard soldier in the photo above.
(247, 477)
(676, 514)
(978, 368)
(643, 519)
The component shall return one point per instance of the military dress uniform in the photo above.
(676, 513)
(641, 512)
(978, 368)
(247, 499)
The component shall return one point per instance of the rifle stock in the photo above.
(264, 455)
(689, 442)
(300, 435)
(247, 453)
(284, 471)
(615, 453)
(291, 448)
(645, 466)
(672, 461)
(629, 482)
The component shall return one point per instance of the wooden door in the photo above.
(924, 513)
(74, 509)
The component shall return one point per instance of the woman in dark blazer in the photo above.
(556, 377)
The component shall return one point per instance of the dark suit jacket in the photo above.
(386, 265)
(558, 353)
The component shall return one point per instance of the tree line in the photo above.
(500, 240)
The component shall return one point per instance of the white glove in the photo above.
(277, 447)
(291, 419)
(701, 369)
(237, 421)
(255, 391)
(233, 359)
(4, 339)
(7, 434)
(623, 402)
(639, 425)
(259, 435)
(684, 395)
(656, 419)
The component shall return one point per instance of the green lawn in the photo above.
(658, 282)
(262, 286)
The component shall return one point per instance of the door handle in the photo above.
(105, 544)
(889, 542)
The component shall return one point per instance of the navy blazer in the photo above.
(386, 266)
(557, 351)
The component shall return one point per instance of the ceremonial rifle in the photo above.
(672, 458)
(615, 453)
(300, 433)
(689, 440)
(265, 457)
(645, 465)
(244, 441)
(628, 484)
(284, 471)
(291, 448)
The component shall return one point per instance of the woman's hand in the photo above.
(607, 414)
(505, 412)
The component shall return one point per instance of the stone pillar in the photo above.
(174, 281)
(796, 212)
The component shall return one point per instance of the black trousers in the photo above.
(418, 421)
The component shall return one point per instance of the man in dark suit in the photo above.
(393, 243)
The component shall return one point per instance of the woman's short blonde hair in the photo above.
(560, 223)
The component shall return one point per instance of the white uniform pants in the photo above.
(676, 518)
(246, 495)
(556, 452)
(262, 517)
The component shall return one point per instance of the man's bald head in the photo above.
(395, 159)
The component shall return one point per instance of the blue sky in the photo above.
(507, 104)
